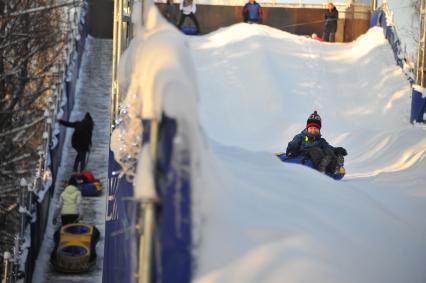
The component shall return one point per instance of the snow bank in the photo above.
(240, 94)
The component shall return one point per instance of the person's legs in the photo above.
(69, 218)
(316, 155)
(83, 155)
(326, 35)
(331, 166)
(332, 37)
(181, 20)
(76, 162)
(80, 159)
(195, 21)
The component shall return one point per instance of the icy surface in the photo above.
(93, 95)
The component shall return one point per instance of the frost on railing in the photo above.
(383, 17)
(33, 200)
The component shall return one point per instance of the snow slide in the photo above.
(239, 95)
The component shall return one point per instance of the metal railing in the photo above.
(122, 35)
(16, 264)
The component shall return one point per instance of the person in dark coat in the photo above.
(331, 16)
(252, 12)
(81, 139)
(314, 147)
(170, 12)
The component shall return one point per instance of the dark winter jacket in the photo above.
(252, 12)
(331, 20)
(82, 136)
(170, 13)
(304, 141)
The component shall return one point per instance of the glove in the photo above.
(340, 151)
(290, 153)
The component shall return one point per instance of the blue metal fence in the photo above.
(42, 201)
(172, 262)
(418, 102)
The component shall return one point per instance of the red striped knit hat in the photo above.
(314, 120)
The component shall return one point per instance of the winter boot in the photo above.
(324, 163)
(339, 166)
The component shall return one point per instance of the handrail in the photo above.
(42, 181)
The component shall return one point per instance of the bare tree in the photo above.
(32, 35)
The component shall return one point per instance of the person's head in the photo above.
(251, 1)
(87, 116)
(313, 124)
(88, 119)
(73, 181)
(169, 2)
(330, 6)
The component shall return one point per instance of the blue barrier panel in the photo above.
(417, 106)
(174, 215)
(120, 256)
(172, 253)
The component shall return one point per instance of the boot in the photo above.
(324, 163)
(340, 161)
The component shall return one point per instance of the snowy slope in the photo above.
(93, 95)
(256, 219)
(286, 223)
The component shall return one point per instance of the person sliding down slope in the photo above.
(326, 158)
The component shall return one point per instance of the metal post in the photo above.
(6, 267)
(15, 265)
(147, 239)
(22, 208)
(420, 68)
(116, 52)
(373, 5)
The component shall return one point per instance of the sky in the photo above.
(239, 95)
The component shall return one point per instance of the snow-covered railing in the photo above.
(383, 17)
(148, 219)
(35, 196)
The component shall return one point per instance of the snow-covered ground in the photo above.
(287, 223)
(249, 91)
(93, 95)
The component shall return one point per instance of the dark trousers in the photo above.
(192, 17)
(80, 159)
(69, 218)
(317, 155)
(329, 36)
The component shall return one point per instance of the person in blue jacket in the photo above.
(252, 12)
(314, 147)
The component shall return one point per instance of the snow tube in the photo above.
(90, 189)
(88, 175)
(88, 184)
(189, 30)
(75, 248)
(307, 162)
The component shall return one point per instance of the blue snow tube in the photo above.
(76, 229)
(189, 30)
(90, 189)
(73, 251)
(300, 159)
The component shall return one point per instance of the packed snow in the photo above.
(240, 94)
(92, 95)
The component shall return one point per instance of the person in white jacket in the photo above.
(70, 203)
(187, 9)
